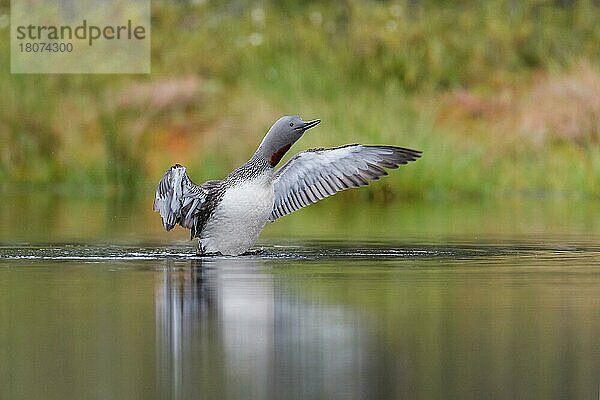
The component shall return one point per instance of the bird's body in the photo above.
(240, 216)
(228, 215)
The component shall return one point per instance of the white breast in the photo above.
(240, 216)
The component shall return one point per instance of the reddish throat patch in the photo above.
(278, 155)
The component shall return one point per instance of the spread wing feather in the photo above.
(180, 201)
(315, 174)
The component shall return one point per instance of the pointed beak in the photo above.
(310, 124)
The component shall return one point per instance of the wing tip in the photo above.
(168, 199)
(400, 156)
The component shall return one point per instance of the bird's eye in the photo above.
(291, 124)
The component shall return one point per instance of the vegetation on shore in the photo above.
(502, 97)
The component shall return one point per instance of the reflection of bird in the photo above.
(228, 215)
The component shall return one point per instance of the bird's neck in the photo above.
(272, 151)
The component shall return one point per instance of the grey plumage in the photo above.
(180, 201)
(318, 173)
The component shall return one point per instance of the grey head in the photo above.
(282, 135)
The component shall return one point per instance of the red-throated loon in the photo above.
(228, 215)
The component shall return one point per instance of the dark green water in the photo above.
(410, 301)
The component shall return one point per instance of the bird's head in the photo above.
(282, 135)
(290, 128)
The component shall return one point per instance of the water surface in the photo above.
(467, 304)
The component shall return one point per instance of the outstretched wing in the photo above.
(180, 201)
(318, 173)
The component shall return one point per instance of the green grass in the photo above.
(374, 72)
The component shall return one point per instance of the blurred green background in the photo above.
(503, 97)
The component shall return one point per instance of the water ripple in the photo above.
(305, 251)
